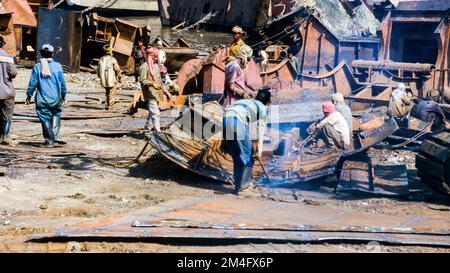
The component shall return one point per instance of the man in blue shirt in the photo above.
(236, 133)
(47, 78)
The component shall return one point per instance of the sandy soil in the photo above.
(47, 192)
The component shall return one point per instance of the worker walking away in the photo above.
(235, 78)
(338, 100)
(108, 71)
(237, 135)
(400, 105)
(263, 59)
(47, 78)
(295, 63)
(332, 129)
(169, 87)
(139, 58)
(8, 71)
(152, 88)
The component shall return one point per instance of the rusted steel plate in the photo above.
(22, 13)
(384, 180)
(231, 217)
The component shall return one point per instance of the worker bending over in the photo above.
(332, 129)
(236, 134)
(236, 86)
(400, 105)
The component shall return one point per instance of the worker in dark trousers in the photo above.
(8, 71)
(47, 78)
(236, 134)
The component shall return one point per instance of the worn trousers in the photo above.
(331, 137)
(46, 114)
(6, 109)
(110, 93)
(153, 115)
(238, 144)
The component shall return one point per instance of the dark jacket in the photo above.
(8, 71)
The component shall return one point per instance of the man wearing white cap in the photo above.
(47, 78)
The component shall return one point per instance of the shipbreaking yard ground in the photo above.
(44, 193)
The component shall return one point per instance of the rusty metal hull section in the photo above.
(231, 217)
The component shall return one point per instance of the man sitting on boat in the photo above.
(332, 129)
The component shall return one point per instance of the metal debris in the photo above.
(229, 217)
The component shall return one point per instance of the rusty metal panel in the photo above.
(7, 31)
(22, 13)
(231, 217)
(373, 178)
(62, 29)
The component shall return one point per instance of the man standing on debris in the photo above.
(400, 105)
(235, 78)
(139, 58)
(47, 77)
(236, 134)
(8, 71)
(152, 87)
(344, 110)
(108, 71)
(333, 129)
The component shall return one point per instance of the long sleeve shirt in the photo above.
(108, 71)
(8, 71)
(152, 88)
(51, 91)
(400, 103)
(338, 122)
(250, 111)
(235, 86)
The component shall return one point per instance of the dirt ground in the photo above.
(45, 191)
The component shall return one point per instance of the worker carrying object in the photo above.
(237, 134)
(108, 71)
(47, 77)
(332, 129)
(400, 105)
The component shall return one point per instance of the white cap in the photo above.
(48, 48)
(159, 42)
